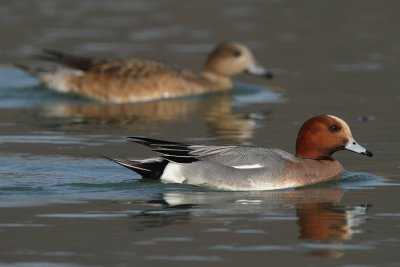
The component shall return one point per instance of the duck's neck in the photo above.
(216, 80)
(309, 148)
(313, 154)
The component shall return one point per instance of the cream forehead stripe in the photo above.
(346, 127)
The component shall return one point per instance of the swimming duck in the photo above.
(237, 167)
(137, 80)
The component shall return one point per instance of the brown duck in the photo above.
(138, 80)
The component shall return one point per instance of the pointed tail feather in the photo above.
(171, 151)
(33, 71)
(148, 169)
(72, 61)
(150, 142)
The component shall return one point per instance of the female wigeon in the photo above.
(136, 80)
(237, 167)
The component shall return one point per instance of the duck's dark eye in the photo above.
(334, 128)
(236, 53)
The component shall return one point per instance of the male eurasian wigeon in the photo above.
(236, 167)
(136, 80)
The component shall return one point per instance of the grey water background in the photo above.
(62, 204)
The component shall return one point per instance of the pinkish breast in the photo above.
(308, 171)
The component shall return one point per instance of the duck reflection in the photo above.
(252, 202)
(222, 120)
(329, 223)
(323, 223)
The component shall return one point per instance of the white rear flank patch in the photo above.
(172, 173)
(254, 166)
(59, 80)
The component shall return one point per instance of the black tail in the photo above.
(72, 61)
(148, 169)
(153, 143)
(35, 72)
(171, 151)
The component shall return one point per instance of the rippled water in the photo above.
(63, 204)
(31, 180)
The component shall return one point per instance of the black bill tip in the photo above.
(367, 153)
(269, 75)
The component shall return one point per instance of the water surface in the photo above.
(62, 204)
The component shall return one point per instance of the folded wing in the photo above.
(237, 156)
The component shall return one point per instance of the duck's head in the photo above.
(232, 58)
(322, 135)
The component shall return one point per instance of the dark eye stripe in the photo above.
(334, 128)
(237, 53)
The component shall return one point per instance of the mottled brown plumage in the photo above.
(136, 80)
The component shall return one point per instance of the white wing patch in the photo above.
(254, 166)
